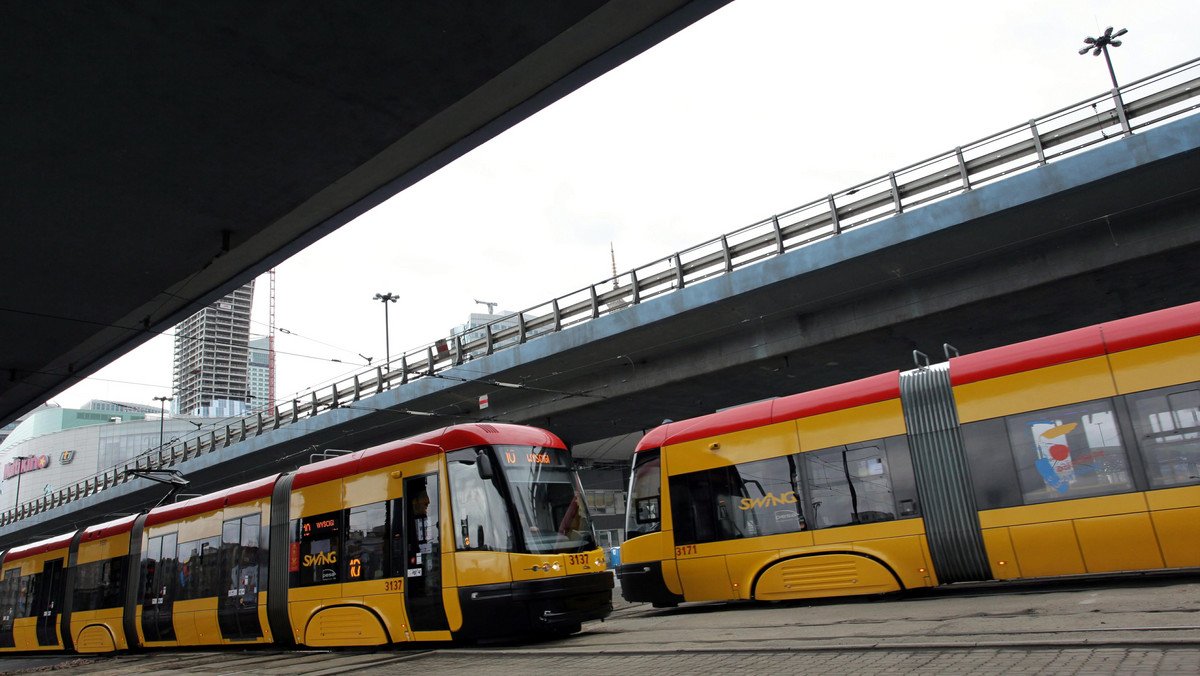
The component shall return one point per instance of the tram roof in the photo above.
(33, 549)
(1094, 341)
(438, 441)
(110, 528)
(235, 495)
(833, 398)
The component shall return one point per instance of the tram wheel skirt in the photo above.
(344, 626)
(95, 638)
(824, 575)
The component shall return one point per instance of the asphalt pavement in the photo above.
(1130, 625)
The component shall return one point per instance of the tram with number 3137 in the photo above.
(472, 531)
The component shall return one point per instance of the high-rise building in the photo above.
(500, 321)
(473, 329)
(212, 353)
(259, 372)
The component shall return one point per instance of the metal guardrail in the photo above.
(1114, 114)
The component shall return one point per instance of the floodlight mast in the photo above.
(1100, 45)
(386, 298)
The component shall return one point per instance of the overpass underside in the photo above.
(1086, 240)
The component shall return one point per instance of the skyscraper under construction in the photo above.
(212, 350)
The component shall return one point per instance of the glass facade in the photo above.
(75, 454)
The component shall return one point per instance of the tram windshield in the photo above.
(546, 501)
(645, 491)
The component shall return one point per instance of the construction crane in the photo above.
(489, 305)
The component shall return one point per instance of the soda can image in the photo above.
(1050, 443)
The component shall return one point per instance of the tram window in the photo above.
(31, 587)
(747, 500)
(160, 569)
(100, 584)
(150, 556)
(645, 489)
(771, 496)
(242, 557)
(9, 595)
(850, 485)
(900, 473)
(1069, 452)
(25, 596)
(199, 568)
(990, 461)
(316, 542)
(691, 507)
(1167, 425)
(364, 542)
(481, 520)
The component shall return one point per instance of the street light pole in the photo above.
(386, 298)
(162, 415)
(20, 470)
(1099, 46)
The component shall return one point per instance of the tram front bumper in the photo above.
(643, 583)
(534, 606)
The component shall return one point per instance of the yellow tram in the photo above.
(1071, 454)
(472, 531)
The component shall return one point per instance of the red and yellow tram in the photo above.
(1071, 454)
(472, 531)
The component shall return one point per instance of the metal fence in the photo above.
(1067, 131)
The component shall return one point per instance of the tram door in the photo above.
(49, 602)
(423, 554)
(159, 577)
(10, 595)
(237, 615)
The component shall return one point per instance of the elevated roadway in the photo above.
(159, 155)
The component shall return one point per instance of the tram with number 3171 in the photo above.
(472, 531)
(1072, 454)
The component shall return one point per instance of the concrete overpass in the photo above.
(160, 155)
(1036, 233)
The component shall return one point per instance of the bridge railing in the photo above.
(1062, 133)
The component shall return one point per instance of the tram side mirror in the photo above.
(483, 464)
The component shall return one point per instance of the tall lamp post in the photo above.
(162, 416)
(386, 298)
(20, 459)
(1098, 46)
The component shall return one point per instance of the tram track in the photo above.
(223, 663)
(1125, 623)
(506, 659)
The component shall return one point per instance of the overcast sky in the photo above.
(760, 107)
